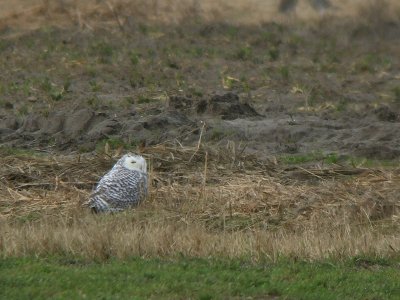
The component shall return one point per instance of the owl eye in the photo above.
(133, 161)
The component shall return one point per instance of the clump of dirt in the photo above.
(87, 127)
(385, 113)
(181, 102)
(226, 106)
(377, 151)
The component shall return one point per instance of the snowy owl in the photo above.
(124, 186)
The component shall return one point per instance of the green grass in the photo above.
(142, 99)
(334, 158)
(244, 53)
(284, 72)
(372, 163)
(372, 63)
(30, 278)
(18, 152)
(331, 158)
(396, 92)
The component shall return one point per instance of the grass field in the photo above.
(215, 231)
(63, 278)
(271, 135)
(209, 233)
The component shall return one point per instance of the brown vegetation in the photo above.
(33, 14)
(206, 201)
(201, 203)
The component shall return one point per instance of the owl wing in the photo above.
(102, 200)
(143, 185)
(118, 190)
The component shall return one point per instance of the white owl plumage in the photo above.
(124, 186)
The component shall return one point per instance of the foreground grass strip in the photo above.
(63, 278)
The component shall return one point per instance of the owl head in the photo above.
(134, 162)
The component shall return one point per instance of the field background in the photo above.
(30, 12)
(271, 128)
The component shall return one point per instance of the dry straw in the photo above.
(203, 202)
(124, 14)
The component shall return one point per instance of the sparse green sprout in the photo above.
(195, 91)
(136, 78)
(45, 112)
(45, 54)
(128, 101)
(342, 105)
(284, 72)
(365, 64)
(17, 87)
(197, 52)
(104, 51)
(295, 41)
(54, 92)
(94, 102)
(143, 28)
(331, 158)
(311, 97)
(23, 110)
(271, 38)
(143, 99)
(91, 70)
(57, 95)
(333, 57)
(152, 53)
(3, 45)
(13, 87)
(18, 152)
(358, 162)
(273, 54)
(245, 84)
(396, 92)
(372, 63)
(46, 85)
(96, 87)
(134, 57)
(180, 80)
(217, 134)
(244, 53)
(230, 83)
(67, 85)
(84, 149)
(26, 87)
(298, 159)
(232, 32)
(173, 64)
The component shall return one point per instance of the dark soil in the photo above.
(278, 89)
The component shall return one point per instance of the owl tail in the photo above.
(98, 205)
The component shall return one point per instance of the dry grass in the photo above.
(33, 14)
(201, 203)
